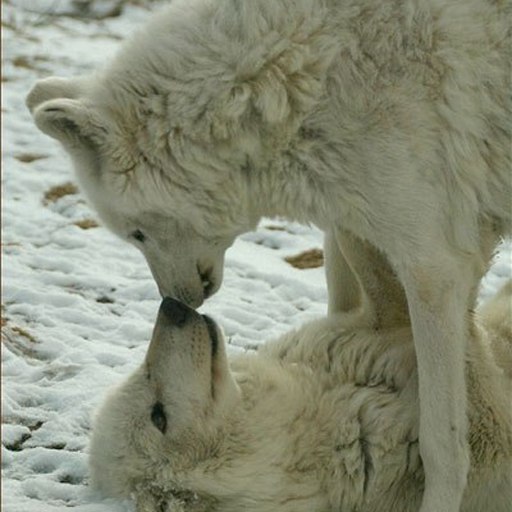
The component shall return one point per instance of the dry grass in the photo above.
(24, 333)
(55, 193)
(22, 62)
(105, 300)
(272, 227)
(19, 341)
(86, 223)
(28, 158)
(3, 319)
(312, 258)
(10, 331)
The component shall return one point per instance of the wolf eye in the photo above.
(138, 235)
(158, 417)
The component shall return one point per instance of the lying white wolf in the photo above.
(385, 122)
(323, 420)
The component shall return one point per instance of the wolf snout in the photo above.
(193, 296)
(175, 311)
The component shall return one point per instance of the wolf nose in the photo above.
(176, 312)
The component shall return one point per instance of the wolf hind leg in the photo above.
(361, 282)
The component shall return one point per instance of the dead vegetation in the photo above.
(86, 223)
(55, 193)
(28, 158)
(313, 258)
(17, 339)
(272, 227)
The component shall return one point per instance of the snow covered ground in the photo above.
(78, 304)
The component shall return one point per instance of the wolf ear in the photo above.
(52, 88)
(59, 112)
(70, 121)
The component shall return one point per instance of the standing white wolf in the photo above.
(323, 420)
(385, 122)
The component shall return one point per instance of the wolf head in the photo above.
(168, 417)
(188, 433)
(182, 221)
(172, 141)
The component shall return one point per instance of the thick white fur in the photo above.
(324, 419)
(385, 122)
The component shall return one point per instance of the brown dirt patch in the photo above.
(24, 333)
(86, 223)
(55, 193)
(312, 258)
(272, 227)
(22, 62)
(27, 158)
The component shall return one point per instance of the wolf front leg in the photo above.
(438, 297)
(361, 282)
